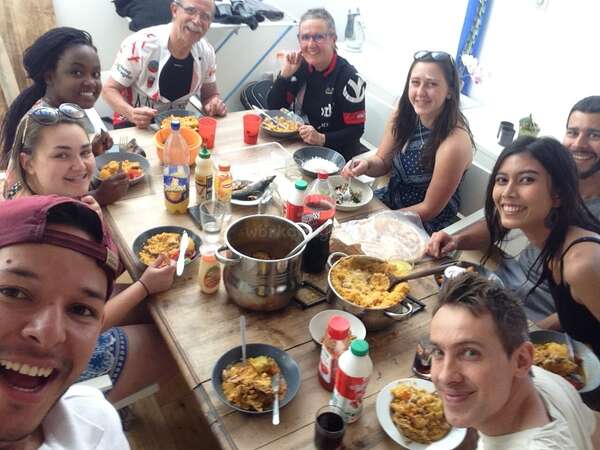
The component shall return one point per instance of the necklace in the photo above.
(421, 133)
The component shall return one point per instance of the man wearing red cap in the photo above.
(50, 318)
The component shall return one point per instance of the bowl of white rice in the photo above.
(313, 160)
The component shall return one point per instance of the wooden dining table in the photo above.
(199, 328)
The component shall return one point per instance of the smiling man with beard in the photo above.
(482, 368)
(50, 318)
(582, 140)
(166, 64)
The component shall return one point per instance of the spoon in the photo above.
(395, 280)
(309, 237)
(243, 334)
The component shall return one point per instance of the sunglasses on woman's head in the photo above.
(435, 55)
(47, 115)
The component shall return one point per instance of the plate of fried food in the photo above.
(350, 195)
(411, 413)
(108, 164)
(281, 123)
(165, 240)
(186, 118)
(551, 353)
(247, 385)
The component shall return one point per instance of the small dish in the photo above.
(382, 407)
(590, 362)
(139, 241)
(366, 193)
(105, 158)
(290, 372)
(174, 112)
(254, 202)
(305, 154)
(318, 324)
(275, 113)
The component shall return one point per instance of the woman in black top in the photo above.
(322, 85)
(533, 187)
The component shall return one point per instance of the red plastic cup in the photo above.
(251, 125)
(207, 128)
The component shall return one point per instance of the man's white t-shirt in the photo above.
(83, 419)
(141, 59)
(572, 426)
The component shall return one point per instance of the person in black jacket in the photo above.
(322, 85)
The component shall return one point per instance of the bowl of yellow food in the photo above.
(359, 284)
(165, 240)
(134, 165)
(187, 118)
(281, 124)
(247, 385)
(551, 353)
(411, 413)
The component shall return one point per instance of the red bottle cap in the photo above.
(323, 175)
(338, 327)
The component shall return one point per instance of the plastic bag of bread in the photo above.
(388, 235)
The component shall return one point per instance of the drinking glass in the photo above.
(212, 213)
(329, 428)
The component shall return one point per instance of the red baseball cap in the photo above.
(25, 220)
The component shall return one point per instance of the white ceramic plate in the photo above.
(357, 185)
(252, 202)
(318, 324)
(384, 398)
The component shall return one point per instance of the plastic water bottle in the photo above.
(176, 171)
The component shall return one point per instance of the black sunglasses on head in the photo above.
(48, 115)
(435, 55)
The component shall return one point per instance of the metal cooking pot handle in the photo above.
(305, 228)
(334, 257)
(400, 316)
(223, 259)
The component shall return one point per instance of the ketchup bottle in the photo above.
(335, 342)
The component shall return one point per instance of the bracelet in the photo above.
(144, 286)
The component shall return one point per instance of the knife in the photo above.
(181, 258)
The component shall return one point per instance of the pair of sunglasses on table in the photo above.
(48, 115)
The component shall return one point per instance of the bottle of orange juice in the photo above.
(224, 186)
(176, 172)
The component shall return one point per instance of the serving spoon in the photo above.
(243, 336)
(309, 237)
(395, 280)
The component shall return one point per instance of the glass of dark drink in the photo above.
(422, 363)
(329, 428)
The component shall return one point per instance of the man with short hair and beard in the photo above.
(582, 140)
(166, 64)
(50, 318)
(482, 368)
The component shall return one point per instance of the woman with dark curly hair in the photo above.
(64, 67)
(534, 187)
(427, 144)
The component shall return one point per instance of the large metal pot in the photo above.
(257, 273)
(373, 318)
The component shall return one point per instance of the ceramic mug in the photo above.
(506, 133)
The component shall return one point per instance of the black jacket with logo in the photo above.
(333, 101)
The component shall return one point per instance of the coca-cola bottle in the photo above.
(319, 205)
